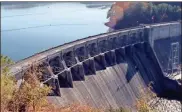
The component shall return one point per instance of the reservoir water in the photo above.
(29, 30)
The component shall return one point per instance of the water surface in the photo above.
(28, 30)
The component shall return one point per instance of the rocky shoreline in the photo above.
(165, 105)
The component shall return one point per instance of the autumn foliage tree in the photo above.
(7, 83)
(29, 96)
(144, 13)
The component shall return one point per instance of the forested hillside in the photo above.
(128, 14)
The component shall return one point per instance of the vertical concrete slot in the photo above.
(69, 58)
(113, 43)
(81, 53)
(89, 67)
(65, 79)
(110, 58)
(120, 55)
(56, 65)
(100, 63)
(78, 73)
(103, 45)
(93, 49)
(110, 41)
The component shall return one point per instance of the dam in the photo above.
(110, 69)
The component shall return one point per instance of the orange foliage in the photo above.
(123, 5)
(117, 11)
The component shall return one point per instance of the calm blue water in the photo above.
(26, 31)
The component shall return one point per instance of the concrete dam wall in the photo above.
(110, 69)
(118, 85)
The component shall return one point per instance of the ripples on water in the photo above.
(34, 27)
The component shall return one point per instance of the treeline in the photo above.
(147, 13)
(170, 3)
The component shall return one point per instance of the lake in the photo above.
(29, 29)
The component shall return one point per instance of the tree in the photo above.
(132, 15)
(5, 60)
(29, 96)
(7, 88)
(146, 13)
(7, 83)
